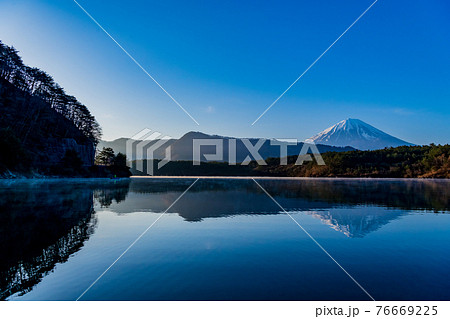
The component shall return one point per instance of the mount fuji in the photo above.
(357, 134)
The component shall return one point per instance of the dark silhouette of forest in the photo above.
(430, 161)
(38, 83)
(43, 130)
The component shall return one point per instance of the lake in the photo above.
(225, 239)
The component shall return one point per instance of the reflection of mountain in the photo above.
(42, 224)
(208, 198)
(328, 199)
(432, 195)
(356, 223)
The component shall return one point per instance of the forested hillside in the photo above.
(41, 127)
(404, 161)
(432, 161)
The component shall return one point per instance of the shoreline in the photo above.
(287, 178)
(53, 179)
(57, 178)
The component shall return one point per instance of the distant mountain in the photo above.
(182, 150)
(357, 134)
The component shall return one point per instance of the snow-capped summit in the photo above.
(358, 134)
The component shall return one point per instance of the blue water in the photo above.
(225, 239)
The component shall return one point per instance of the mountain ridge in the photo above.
(182, 148)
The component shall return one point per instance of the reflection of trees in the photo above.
(403, 194)
(116, 191)
(327, 199)
(42, 224)
(433, 195)
(423, 195)
(25, 274)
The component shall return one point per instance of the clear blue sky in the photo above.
(226, 61)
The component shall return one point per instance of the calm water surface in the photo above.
(225, 239)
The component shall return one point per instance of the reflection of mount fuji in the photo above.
(354, 207)
(356, 223)
(43, 223)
